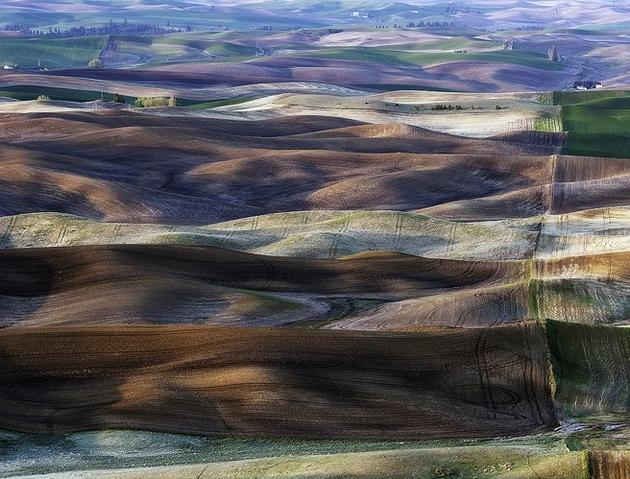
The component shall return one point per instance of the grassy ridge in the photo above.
(77, 52)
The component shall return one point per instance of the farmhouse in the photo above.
(586, 85)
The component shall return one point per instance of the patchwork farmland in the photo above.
(314, 240)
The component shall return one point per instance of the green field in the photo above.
(575, 97)
(591, 368)
(404, 57)
(152, 50)
(597, 122)
(50, 52)
(28, 92)
(226, 49)
(226, 46)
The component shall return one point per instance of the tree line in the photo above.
(111, 28)
(422, 24)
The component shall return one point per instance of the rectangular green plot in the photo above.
(597, 123)
(50, 52)
(591, 366)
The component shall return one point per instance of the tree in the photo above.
(553, 54)
(118, 98)
(96, 63)
(172, 101)
(148, 101)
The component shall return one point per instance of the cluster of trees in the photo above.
(141, 102)
(422, 24)
(277, 28)
(531, 28)
(281, 28)
(96, 63)
(15, 28)
(111, 28)
(151, 101)
(124, 28)
(441, 107)
(460, 8)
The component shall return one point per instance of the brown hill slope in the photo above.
(125, 166)
(437, 383)
(178, 284)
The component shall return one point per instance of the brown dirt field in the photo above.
(132, 167)
(588, 182)
(588, 168)
(178, 284)
(436, 383)
(474, 307)
(495, 77)
(309, 69)
(523, 203)
(465, 76)
(566, 184)
(611, 267)
(591, 289)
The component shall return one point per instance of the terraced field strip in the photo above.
(483, 382)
